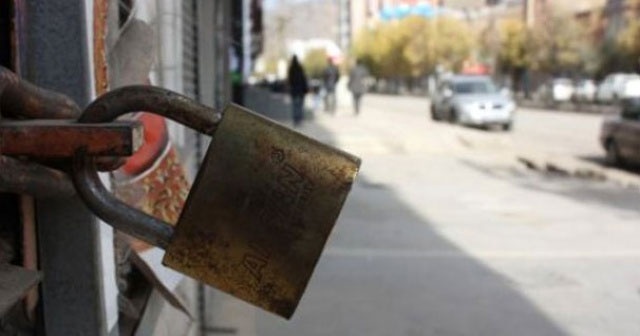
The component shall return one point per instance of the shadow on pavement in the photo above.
(386, 271)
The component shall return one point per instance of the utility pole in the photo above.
(529, 13)
(344, 25)
(529, 20)
(246, 39)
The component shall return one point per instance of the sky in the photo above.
(269, 4)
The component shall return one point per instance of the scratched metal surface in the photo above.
(260, 211)
(62, 138)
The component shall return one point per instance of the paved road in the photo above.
(549, 131)
(445, 233)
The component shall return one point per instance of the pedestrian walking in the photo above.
(357, 83)
(330, 78)
(298, 88)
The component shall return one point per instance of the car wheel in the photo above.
(613, 157)
(453, 116)
(506, 126)
(615, 100)
(434, 114)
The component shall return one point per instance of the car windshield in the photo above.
(474, 87)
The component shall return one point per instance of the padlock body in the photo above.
(260, 211)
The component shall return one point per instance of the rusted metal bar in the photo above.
(60, 139)
(20, 99)
(29, 250)
(33, 179)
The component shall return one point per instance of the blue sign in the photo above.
(427, 10)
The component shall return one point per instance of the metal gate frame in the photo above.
(56, 57)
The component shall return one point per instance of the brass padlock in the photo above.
(261, 207)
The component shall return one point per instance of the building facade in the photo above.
(91, 279)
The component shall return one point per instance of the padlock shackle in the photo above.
(114, 212)
(155, 100)
(108, 107)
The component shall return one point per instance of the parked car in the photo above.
(620, 135)
(554, 91)
(618, 86)
(472, 100)
(584, 91)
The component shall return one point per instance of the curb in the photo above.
(569, 107)
(579, 169)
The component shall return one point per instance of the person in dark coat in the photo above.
(298, 88)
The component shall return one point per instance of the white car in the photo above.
(618, 86)
(472, 100)
(584, 91)
(557, 90)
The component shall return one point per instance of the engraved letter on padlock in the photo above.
(261, 207)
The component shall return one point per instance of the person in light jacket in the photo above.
(330, 77)
(358, 84)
